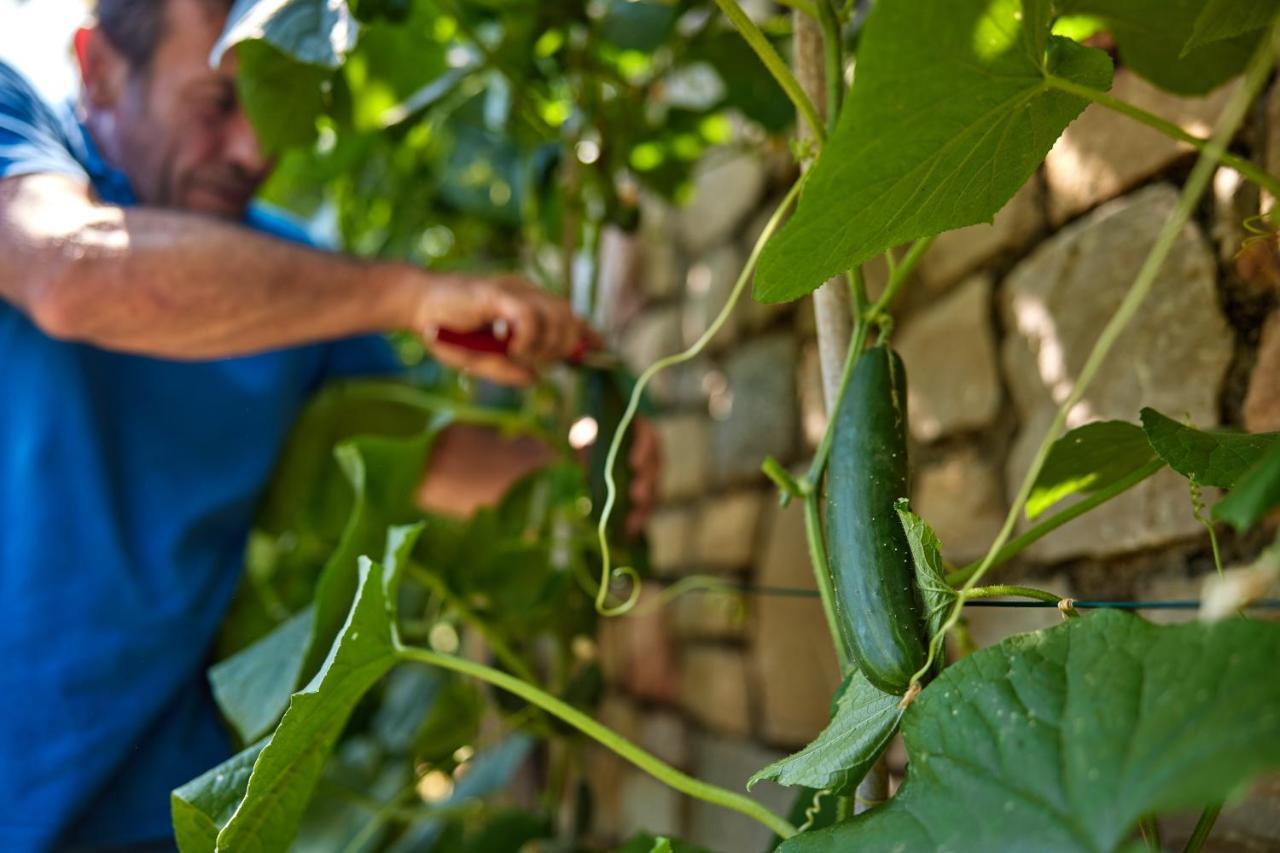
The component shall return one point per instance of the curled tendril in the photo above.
(695, 583)
(607, 572)
(815, 809)
(632, 597)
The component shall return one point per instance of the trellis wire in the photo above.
(1169, 604)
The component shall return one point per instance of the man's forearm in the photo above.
(178, 285)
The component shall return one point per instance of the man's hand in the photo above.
(543, 328)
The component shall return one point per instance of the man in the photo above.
(158, 335)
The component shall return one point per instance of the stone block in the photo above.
(647, 805)
(1262, 400)
(670, 534)
(1103, 154)
(1172, 357)
(956, 253)
(730, 763)
(649, 337)
(708, 286)
(685, 451)
(961, 498)
(792, 654)
(662, 269)
(666, 735)
(714, 690)
(726, 531)
(813, 408)
(727, 186)
(638, 655)
(949, 349)
(759, 415)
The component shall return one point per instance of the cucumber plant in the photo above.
(346, 662)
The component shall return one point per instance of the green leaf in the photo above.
(864, 721)
(1210, 458)
(1153, 37)
(1087, 459)
(1224, 19)
(204, 805)
(1256, 493)
(936, 594)
(281, 96)
(316, 32)
(1067, 736)
(384, 475)
(948, 117)
(252, 687)
(286, 772)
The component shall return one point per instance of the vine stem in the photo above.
(1197, 183)
(615, 446)
(901, 272)
(774, 63)
(821, 574)
(1007, 590)
(603, 735)
(1250, 170)
(1044, 528)
(1204, 826)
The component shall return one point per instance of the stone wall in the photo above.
(994, 329)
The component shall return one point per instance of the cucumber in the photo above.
(872, 575)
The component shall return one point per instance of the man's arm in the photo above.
(183, 286)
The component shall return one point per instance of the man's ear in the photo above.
(103, 69)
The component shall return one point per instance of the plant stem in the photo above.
(1007, 590)
(833, 52)
(901, 272)
(822, 575)
(1150, 833)
(1053, 522)
(1251, 171)
(496, 644)
(1204, 826)
(615, 446)
(774, 63)
(604, 735)
(1198, 181)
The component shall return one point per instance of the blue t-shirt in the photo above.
(127, 490)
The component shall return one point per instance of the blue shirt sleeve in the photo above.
(32, 139)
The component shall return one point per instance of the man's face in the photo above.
(179, 133)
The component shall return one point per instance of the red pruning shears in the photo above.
(496, 339)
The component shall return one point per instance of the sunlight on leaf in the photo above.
(1087, 459)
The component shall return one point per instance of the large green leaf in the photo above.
(935, 593)
(1224, 19)
(1087, 459)
(1063, 738)
(204, 805)
(384, 474)
(1210, 458)
(865, 719)
(1256, 493)
(252, 687)
(1154, 37)
(948, 116)
(285, 773)
(281, 96)
(316, 32)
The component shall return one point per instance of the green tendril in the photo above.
(607, 572)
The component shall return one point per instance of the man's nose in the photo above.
(242, 147)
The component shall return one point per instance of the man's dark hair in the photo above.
(135, 27)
